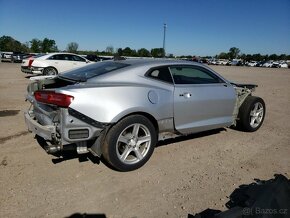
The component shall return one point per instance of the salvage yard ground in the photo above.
(184, 176)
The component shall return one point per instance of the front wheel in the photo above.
(130, 143)
(251, 114)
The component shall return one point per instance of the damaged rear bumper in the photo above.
(62, 128)
(46, 132)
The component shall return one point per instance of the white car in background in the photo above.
(55, 63)
(268, 64)
(283, 65)
(222, 62)
(27, 62)
(252, 63)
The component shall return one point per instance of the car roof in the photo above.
(56, 53)
(44, 56)
(156, 62)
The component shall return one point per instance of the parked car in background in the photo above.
(283, 64)
(237, 62)
(17, 57)
(213, 62)
(27, 62)
(92, 57)
(55, 63)
(260, 63)
(121, 109)
(107, 58)
(275, 64)
(222, 62)
(268, 64)
(252, 63)
(6, 57)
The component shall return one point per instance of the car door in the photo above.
(60, 61)
(77, 61)
(202, 100)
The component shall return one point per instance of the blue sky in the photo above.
(204, 27)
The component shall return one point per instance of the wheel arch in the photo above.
(97, 148)
(150, 117)
(50, 67)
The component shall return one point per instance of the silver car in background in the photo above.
(121, 109)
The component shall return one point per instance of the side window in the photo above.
(53, 57)
(67, 57)
(77, 58)
(58, 57)
(193, 75)
(162, 74)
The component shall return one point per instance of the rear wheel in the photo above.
(49, 71)
(130, 143)
(251, 114)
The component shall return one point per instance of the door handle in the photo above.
(185, 95)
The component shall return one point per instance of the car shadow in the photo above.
(262, 198)
(70, 155)
(67, 155)
(29, 76)
(190, 136)
(87, 215)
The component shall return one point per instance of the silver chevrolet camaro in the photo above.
(121, 109)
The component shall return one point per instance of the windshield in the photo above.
(84, 73)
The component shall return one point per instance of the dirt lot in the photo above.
(184, 176)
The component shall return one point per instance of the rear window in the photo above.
(93, 70)
(161, 73)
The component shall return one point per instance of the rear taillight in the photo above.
(50, 97)
(30, 62)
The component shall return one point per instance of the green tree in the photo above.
(234, 52)
(282, 57)
(7, 43)
(110, 50)
(48, 45)
(120, 51)
(157, 52)
(249, 57)
(127, 51)
(26, 47)
(273, 57)
(134, 53)
(72, 47)
(35, 45)
(257, 57)
(143, 52)
(223, 55)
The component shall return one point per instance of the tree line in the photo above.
(236, 53)
(9, 44)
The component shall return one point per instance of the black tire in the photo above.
(122, 142)
(50, 71)
(250, 119)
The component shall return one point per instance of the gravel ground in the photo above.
(184, 176)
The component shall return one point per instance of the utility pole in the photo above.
(164, 35)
